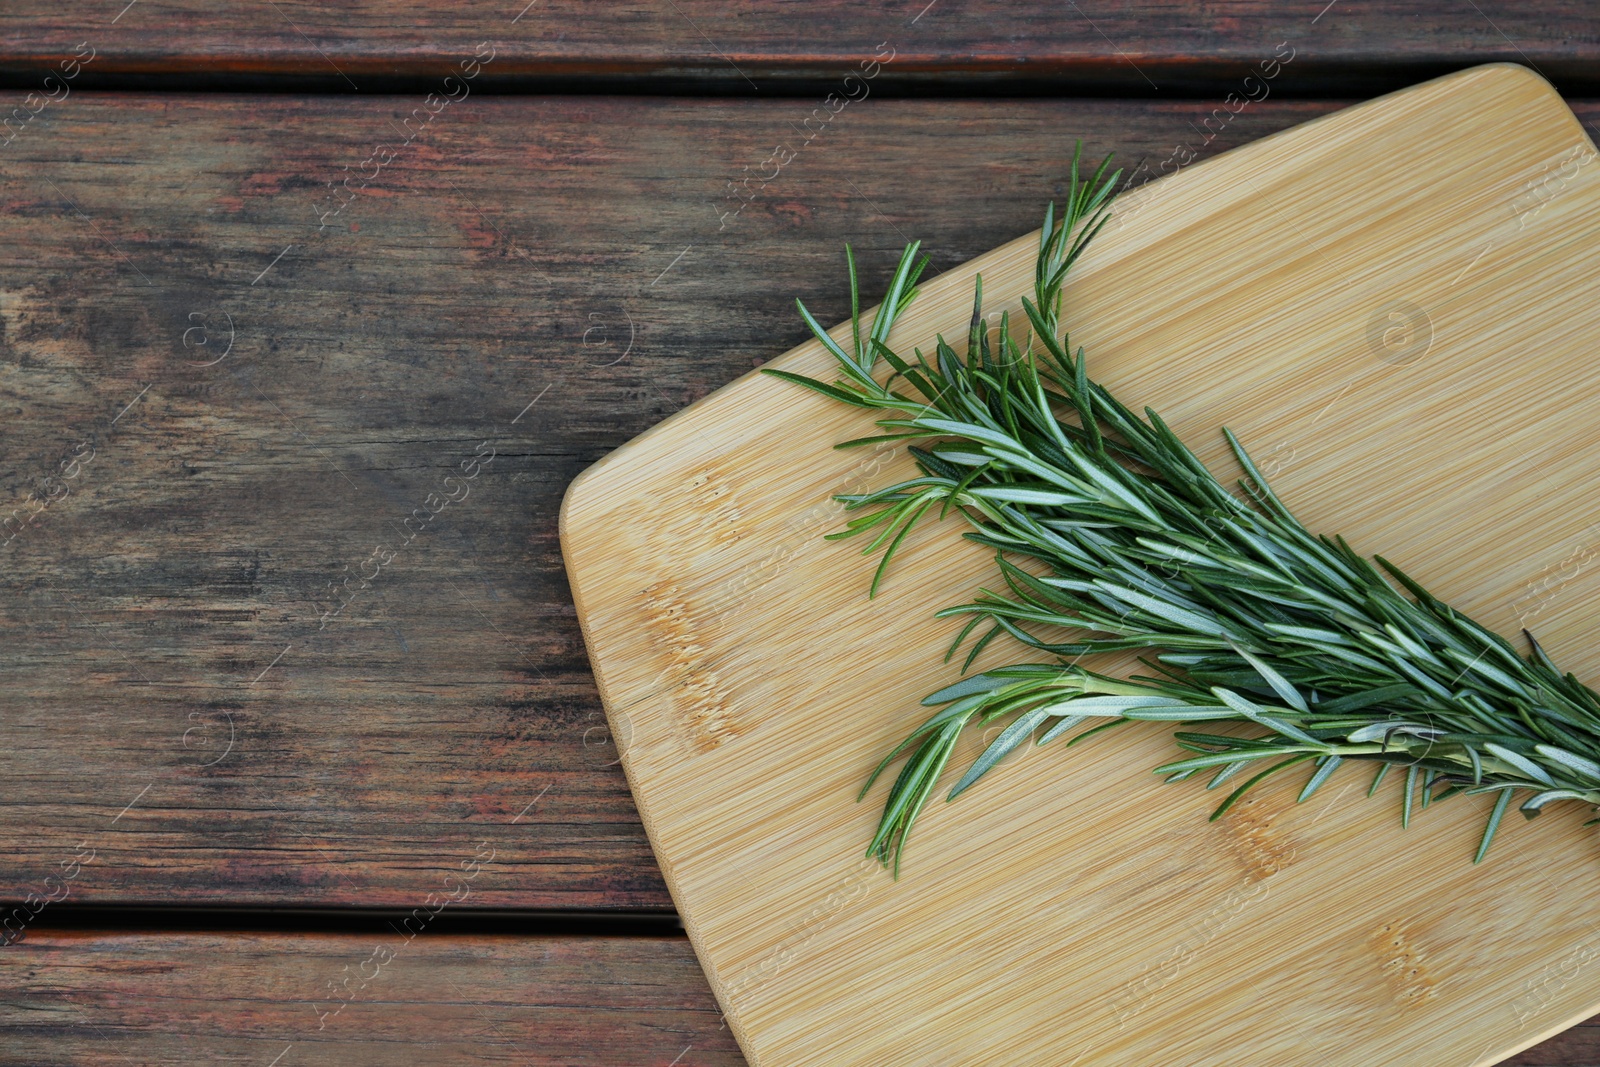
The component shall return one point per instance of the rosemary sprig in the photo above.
(1245, 615)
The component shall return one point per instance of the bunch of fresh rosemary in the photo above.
(1248, 616)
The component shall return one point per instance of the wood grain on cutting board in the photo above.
(1395, 308)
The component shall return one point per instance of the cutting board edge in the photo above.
(574, 559)
(610, 705)
(1540, 1037)
(839, 332)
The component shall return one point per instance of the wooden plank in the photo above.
(353, 1000)
(75, 999)
(166, 593)
(759, 687)
(1577, 1047)
(1158, 47)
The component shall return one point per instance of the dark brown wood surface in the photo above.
(183, 699)
(299, 1000)
(245, 339)
(1144, 47)
(356, 1000)
(1577, 1047)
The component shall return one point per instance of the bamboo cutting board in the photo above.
(1396, 309)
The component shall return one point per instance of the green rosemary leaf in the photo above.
(912, 375)
(978, 683)
(1258, 483)
(1325, 766)
(1538, 655)
(1177, 713)
(1179, 617)
(1084, 397)
(846, 364)
(855, 304)
(1067, 723)
(898, 826)
(1533, 805)
(981, 643)
(950, 652)
(888, 553)
(1494, 824)
(1020, 494)
(1233, 797)
(1521, 763)
(969, 431)
(1216, 759)
(1586, 767)
(1411, 788)
(953, 713)
(1127, 705)
(1257, 714)
(858, 442)
(832, 391)
(861, 523)
(1371, 698)
(901, 289)
(1286, 692)
(1010, 738)
(1227, 772)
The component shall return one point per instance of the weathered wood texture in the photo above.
(75, 1000)
(513, 246)
(351, 1001)
(1147, 46)
(1577, 1047)
(177, 530)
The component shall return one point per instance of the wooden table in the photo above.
(308, 315)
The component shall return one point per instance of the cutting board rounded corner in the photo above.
(1510, 72)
